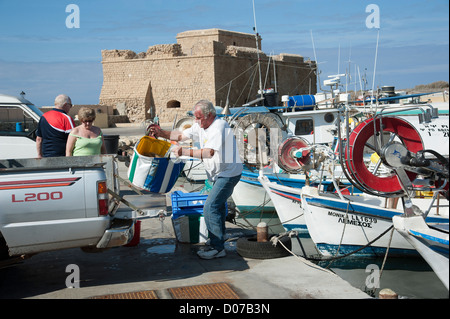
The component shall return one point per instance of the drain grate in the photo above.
(211, 291)
(146, 294)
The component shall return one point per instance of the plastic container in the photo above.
(150, 146)
(187, 217)
(187, 203)
(19, 127)
(302, 100)
(151, 169)
(190, 229)
(111, 143)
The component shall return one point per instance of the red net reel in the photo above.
(360, 139)
(286, 158)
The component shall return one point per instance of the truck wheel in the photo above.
(249, 247)
(4, 253)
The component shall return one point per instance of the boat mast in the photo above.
(257, 50)
(375, 69)
(317, 63)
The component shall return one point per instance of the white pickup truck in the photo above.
(61, 202)
(18, 123)
(54, 203)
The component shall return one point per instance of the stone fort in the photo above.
(218, 65)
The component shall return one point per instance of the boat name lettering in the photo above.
(363, 221)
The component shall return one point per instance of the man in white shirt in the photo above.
(219, 153)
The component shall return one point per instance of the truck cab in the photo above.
(18, 123)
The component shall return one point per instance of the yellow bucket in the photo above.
(149, 146)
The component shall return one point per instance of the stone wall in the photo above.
(188, 39)
(140, 85)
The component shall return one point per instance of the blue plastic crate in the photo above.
(188, 203)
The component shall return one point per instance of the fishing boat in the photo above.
(276, 133)
(358, 225)
(430, 240)
(286, 197)
(348, 224)
(267, 135)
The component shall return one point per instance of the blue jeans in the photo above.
(214, 209)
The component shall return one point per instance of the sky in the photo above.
(49, 47)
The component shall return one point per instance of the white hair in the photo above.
(62, 99)
(206, 107)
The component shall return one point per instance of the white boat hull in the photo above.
(249, 197)
(287, 202)
(194, 171)
(433, 245)
(343, 226)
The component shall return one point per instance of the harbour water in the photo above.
(410, 278)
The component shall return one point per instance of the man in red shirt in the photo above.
(54, 128)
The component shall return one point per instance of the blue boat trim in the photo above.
(366, 252)
(302, 230)
(441, 246)
(354, 208)
(295, 227)
(251, 182)
(429, 237)
(252, 178)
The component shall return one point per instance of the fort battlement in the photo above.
(208, 64)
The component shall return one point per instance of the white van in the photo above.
(18, 122)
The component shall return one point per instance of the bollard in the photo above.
(387, 294)
(261, 232)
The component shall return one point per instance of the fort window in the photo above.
(173, 104)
